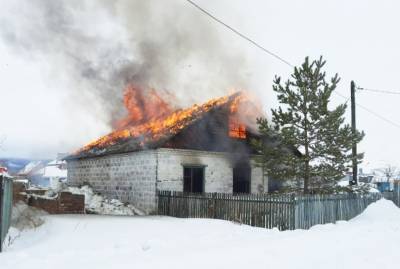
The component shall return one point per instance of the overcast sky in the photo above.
(44, 108)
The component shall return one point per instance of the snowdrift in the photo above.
(89, 241)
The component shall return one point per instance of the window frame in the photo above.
(194, 166)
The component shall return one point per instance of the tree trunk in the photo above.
(307, 157)
(306, 145)
(306, 174)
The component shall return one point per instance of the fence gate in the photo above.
(5, 207)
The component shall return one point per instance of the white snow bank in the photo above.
(94, 203)
(381, 211)
(90, 241)
(26, 217)
(11, 236)
(23, 218)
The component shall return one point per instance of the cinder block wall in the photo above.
(218, 170)
(134, 177)
(259, 182)
(128, 177)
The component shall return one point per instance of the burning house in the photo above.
(205, 148)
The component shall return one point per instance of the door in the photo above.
(241, 178)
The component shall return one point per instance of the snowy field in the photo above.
(372, 240)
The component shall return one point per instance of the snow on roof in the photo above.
(345, 183)
(55, 168)
(5, 174)
(31, 167)
(22, 180)
(377, 179)
(54, 171)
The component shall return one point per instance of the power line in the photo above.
(372, 112)
(239, 33)
(378, 91)
(288, 63)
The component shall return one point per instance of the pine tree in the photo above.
(306, 141)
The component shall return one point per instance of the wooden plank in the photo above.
(268, 211)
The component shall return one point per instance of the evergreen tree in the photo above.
(306, 141)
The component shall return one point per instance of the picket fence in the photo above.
(285, 212)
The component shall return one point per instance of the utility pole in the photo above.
(354, 130)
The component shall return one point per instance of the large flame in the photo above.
(151, 118)
(142, 106)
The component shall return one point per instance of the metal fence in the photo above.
(5, 207)
(286, 212)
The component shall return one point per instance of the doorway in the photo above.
(241, 178)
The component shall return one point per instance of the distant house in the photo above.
(54, 173)
(32, 172)
(45, 173)
(3, 170)
(366, 178)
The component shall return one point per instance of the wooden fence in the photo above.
(320, 209)
(5, 207)
(393, 196)
(257, 210)
(286, 212)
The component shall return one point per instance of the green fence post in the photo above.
(5, 207)
(1, 213)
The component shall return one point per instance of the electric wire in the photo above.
(239, 33)
(378, 91)
(372, 112)
(291, 65)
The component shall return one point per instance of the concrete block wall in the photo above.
(128, 177)
(134, 177)
(218, 170)
(259, 182)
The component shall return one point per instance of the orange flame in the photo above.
(236, 129)
(151, 118)
(142, 106)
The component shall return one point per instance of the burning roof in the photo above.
(152, 122)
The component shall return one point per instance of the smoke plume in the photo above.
(98, 47)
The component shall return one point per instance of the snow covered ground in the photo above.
(372, 240)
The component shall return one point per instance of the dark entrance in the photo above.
(241, 178)
(193, 179)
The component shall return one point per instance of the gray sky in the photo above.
(45, 109)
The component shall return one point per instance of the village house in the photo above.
(45, 174)
(205, 149)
